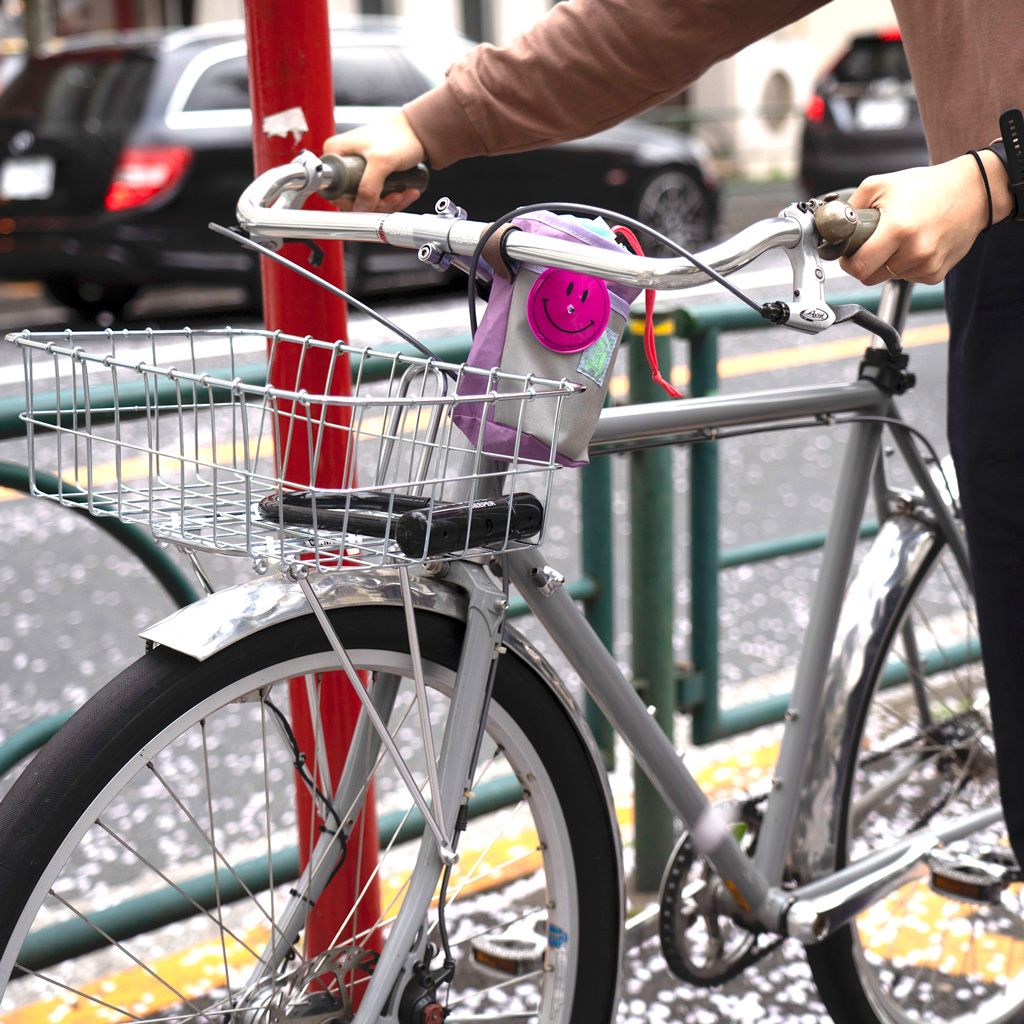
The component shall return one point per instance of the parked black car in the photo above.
(863, 117)
(116, 153)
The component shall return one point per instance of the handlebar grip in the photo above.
(345, 173)
(842, 228)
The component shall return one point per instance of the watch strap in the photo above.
(1011, 125)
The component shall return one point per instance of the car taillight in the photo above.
(142, 174)
(815, 110)
(890, 35)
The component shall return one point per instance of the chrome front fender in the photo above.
(202, 629)
(877, 594)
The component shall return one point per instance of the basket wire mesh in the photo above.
(176, 432)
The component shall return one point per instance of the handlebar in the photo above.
(343, 174)
(807, 232)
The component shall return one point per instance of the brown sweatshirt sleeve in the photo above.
(585, 66)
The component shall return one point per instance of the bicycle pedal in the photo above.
(973, 876)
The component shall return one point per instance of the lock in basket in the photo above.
(176, 432)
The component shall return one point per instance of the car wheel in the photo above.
(674, 202)
(91, 298)
(355, 272)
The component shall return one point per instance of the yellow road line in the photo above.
(892, 928)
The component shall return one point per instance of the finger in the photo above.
(870, 264)
(368, 198)
(867, 194)
(395, 201)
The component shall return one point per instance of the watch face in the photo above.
(1011, 124)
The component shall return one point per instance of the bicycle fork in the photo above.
(449, 771)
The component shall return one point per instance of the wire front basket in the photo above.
(178, 433)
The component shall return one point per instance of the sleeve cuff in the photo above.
(442, 125)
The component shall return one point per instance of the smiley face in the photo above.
(568, 311)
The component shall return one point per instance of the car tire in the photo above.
(355, 272)
(91, 298)
(674, 201)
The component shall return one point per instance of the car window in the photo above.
(85, 91)
(871, 59)
(367, 76)
(374, 76)
(222, 86)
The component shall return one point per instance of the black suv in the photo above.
(116, 153)
(863, 117)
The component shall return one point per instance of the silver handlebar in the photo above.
(269, 209)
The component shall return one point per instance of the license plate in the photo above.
(27, 177)
(879, 115)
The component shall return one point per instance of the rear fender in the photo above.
(873, 607)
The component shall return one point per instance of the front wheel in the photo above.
(924, 755)
(180, 769)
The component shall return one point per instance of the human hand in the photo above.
(387, 145)
(930, 217)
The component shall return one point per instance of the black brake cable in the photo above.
(299, 763)
(593, 211)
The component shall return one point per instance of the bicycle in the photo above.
(403, 580)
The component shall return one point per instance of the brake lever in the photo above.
(890, 337)
(807, 311)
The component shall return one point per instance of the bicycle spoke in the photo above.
(127, 952)
(177, 888)
(218, 854)
(495, 988)
(213, 842)
(79, 993)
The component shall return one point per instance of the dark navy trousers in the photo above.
(985, 306)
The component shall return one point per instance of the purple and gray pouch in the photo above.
(555, 324)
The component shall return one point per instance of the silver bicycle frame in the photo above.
(826, 688)
(269, 207)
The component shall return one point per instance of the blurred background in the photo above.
(125, 128)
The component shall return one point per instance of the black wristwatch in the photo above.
(1010, 149)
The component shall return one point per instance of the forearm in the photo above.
(587, 65)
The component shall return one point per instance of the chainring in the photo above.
(702, 944)
(314, 991)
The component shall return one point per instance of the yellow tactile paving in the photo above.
(892, 928)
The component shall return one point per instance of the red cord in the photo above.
(650, 349)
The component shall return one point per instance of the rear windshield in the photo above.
(75, 92)
(870, 59)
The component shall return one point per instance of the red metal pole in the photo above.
(291, 84)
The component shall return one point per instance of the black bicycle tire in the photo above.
(58, 786)
(833, 962)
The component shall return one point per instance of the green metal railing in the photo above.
(653, 533)
(696, 689)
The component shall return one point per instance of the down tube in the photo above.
(653, 750)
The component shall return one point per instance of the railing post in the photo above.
(704, 542)
(652, 596)
(598, 566)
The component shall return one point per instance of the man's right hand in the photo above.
(387, 145)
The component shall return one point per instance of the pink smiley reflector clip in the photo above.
(568, 311)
